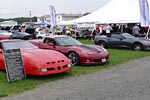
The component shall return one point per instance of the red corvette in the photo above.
(36, 61)
(77, 52)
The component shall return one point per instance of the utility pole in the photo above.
(30, 16)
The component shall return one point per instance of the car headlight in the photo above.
(44, 69)
(86, 52)
(69, 65)
(104, 49)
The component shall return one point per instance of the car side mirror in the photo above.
(120, 38)
(52, 44)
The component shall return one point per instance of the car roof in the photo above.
(55, 36)
(117, 32)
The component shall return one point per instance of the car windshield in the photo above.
(126, 35)
(17, 45)
(43, 33)
(67, 41)
(23, 33)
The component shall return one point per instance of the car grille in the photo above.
(50, 69)
(57, 67)
(97, 60)
(53, 62)
(65, 66)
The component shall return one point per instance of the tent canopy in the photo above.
(42, 23)
(70, 22)
(115, 11)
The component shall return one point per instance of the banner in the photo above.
(52, 16)
(86, 25)
(144, 12)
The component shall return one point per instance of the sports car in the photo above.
(78, 53)
(5, 35)
(41, 34)
(21, 35)
(36, 61)
(123, 40)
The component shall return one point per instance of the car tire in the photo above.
(102, 43)
(39, 37)
(137, 47)
(74, 58)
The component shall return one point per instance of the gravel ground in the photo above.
(128, 81)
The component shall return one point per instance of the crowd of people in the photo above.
(100, 29)
(106, 29)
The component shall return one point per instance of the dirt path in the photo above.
(128, 81)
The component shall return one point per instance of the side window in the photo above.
(0, 48)
(49, 40)
(52, 41)
(46, 40)
(116, 36)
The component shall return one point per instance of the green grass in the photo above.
(116, 57)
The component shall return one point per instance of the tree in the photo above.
(20, 20)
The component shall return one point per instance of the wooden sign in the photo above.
(14, 65)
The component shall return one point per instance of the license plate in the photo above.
(104, 60)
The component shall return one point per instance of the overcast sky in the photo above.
(21, 8)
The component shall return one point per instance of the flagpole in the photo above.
(52, 18)
(144, 15)
(146, 37)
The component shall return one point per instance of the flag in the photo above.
(52, 16)
(144, 12)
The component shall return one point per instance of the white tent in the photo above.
(70, 22)
(115, 11)
(8, 23)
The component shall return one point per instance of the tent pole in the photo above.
(75, 31)
(146, 37)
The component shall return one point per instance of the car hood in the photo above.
(43, 55)
(142, 40)
(139, 39)
(91, 48)
(145, 40)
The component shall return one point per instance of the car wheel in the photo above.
(102, 43)
(138, 47)
(74, 58)
(39, 37)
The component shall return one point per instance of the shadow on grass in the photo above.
(53, 77)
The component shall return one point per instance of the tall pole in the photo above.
(30, 16)
(146, 37)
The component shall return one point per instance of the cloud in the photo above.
(6, 11)
(21, 8)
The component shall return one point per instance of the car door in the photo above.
(117, 40)
(2, 65)
(57, 47)
(48, 43)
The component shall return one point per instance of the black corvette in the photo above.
(123, 40)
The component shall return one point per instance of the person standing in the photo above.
(64, 30)
(101, 29)
(115, 28)
(136, 30)
(108, 30)
(97, 30)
